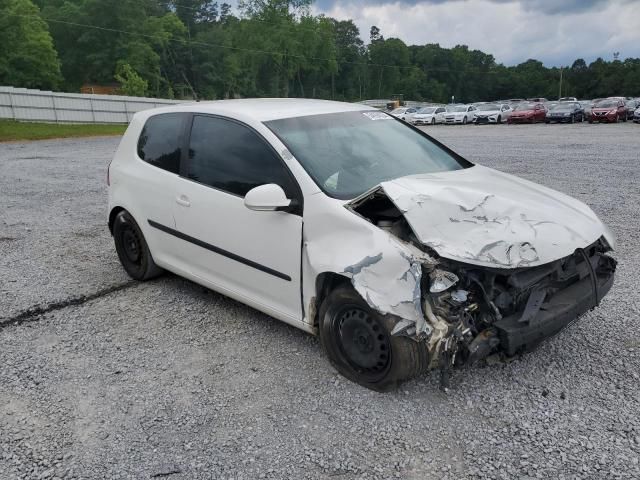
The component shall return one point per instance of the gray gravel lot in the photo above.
(169, 380)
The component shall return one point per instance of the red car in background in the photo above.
(609, 110)
(528, 112)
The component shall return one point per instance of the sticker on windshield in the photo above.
(377, 116)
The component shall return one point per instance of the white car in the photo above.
(404, 113)
(336, 219)
(492, 113)
(429, 116)
(459, 114)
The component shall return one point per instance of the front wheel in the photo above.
(132, 248)
(464, 121)
(360, 346)
(499, 119)
(433, 121)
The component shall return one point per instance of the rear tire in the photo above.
(359, 344)
(132, 248)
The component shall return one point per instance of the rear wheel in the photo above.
(360, 346)
(132, 248)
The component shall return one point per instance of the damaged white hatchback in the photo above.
(343, 221)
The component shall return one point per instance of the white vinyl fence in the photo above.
(44, 106)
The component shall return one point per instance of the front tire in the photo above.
(464, 120)
(132, 248)
(359, 344)
(499, 119)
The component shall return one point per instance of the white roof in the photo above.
(265, 109)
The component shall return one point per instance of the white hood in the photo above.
(485, 217)
(487, 113)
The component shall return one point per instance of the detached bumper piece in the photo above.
(548, 311)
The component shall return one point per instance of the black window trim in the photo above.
(298, 200)
(183, 120)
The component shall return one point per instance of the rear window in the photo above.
(160, 141)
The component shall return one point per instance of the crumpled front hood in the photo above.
(485, 217)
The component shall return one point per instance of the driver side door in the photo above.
(250, 255)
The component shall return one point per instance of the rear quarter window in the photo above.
(160, 142)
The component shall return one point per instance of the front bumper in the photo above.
(558, 311)
(423, 121)
(609, 118)
(485, 120)
(453, 121)
(513, 119)
(558, 119)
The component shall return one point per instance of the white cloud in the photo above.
(510, 31)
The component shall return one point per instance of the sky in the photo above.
(555, 32)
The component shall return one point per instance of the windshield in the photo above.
(349, 153)
(488, 107)
(525, 106)
(563, 107)
(459, 108)
(427, 110)
(606, 104)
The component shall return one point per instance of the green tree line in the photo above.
(204, 49)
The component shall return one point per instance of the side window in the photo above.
(231, 157)
(159, 143)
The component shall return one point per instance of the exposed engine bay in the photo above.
(474, 311)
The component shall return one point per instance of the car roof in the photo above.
(264, 109)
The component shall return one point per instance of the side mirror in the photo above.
(265, 198)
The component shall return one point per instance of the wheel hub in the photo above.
(131, 245)
(363, 340)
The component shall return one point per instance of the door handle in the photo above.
(183, 200)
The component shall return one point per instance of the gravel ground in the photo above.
(169, 380)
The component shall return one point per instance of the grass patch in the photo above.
(11, 130)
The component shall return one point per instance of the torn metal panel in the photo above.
(484, 217)
(384, 270)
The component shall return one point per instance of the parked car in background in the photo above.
(565, 112)
(528, 112)
(636, 115)
(459, 114)
(631, 106)
(567, 99)
(404, 113)
(537, 100)
(429, 116)
(586, 107)
(608, 111)
(492, 113)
